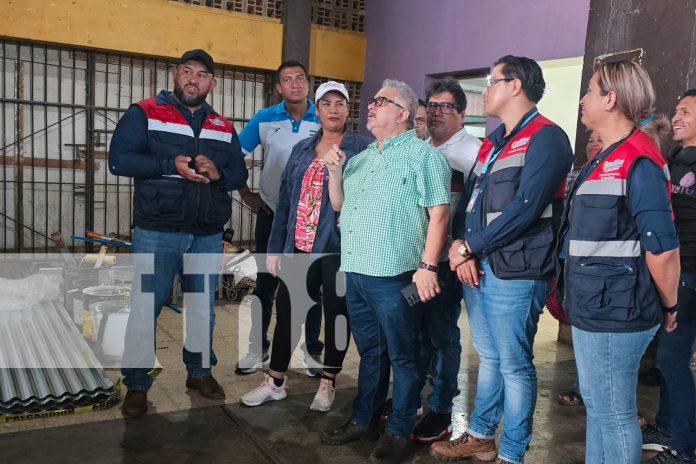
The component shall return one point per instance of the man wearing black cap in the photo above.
(184, 159)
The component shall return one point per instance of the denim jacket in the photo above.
(327, 239)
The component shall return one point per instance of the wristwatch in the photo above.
(670, 311)
(464, 250)
(429, 267)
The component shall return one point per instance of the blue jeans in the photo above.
(608, 372)
(440, 342)
(151, 291)
(675, 417)
(266, 286)
(503, 317)
(386, 331)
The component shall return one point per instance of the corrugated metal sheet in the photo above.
(45, 363)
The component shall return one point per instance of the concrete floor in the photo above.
(182, 427)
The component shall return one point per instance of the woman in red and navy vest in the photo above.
(621, 258)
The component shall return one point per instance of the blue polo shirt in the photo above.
(277, 132)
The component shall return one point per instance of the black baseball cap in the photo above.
(198, 55)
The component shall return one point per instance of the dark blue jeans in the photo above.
(440, 344)
(151, 289)
(386, 332)
(266, 286)
(675, 416)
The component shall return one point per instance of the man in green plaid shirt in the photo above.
(394, 202)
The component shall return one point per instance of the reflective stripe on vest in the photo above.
(610, 179)
(170, 127)
(478, 168)
(611, 249)
(513, 161)
(547, 213)
(614, 187)
(216, 135)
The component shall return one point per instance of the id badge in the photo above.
(472, 200)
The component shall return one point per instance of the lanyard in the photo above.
(493, 154)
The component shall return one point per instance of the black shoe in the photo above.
(389, 450)
(207, 386)
(135, 403)
(667, 456)
(387, 410)
(350, 431)
(434, 427)
(654, 439)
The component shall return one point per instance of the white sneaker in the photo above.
(325, 396)
(267, 391)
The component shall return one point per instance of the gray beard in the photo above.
(187, 100)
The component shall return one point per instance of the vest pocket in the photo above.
(510, 257)
(538, 250)
(219, 208)
(506, 183)
(604, 297)
(603, 213)
(161, 201)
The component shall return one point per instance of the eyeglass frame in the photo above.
(383, 100)
(490, 82)
(451, 107)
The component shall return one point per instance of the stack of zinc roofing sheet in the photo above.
(45, 363)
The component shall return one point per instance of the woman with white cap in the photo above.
(305, 222)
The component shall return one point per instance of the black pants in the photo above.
(266, 286)
(321, 287)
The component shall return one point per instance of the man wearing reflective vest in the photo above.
(503, 252)
(184, 159)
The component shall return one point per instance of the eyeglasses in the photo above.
(445, 107)
(491, 82)
(419, 120)
(380, 101)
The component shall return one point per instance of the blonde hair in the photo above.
(635, 94)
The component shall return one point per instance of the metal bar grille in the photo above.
(268, 8)
(58, 109)
(341, 14)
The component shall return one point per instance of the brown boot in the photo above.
(207, 386)
(135, 403)
(464, 447)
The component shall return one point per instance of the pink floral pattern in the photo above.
(309, 206)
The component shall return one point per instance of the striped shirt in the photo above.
(387, 193)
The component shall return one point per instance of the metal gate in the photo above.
(58, 109)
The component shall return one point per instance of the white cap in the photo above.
(331, 86)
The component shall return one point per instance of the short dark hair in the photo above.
(527, 71)
(421, 102)
(451, 86)
(289, 64)
(688, 93)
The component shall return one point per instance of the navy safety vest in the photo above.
(608, 285)
(171, 202)
(531, 255)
